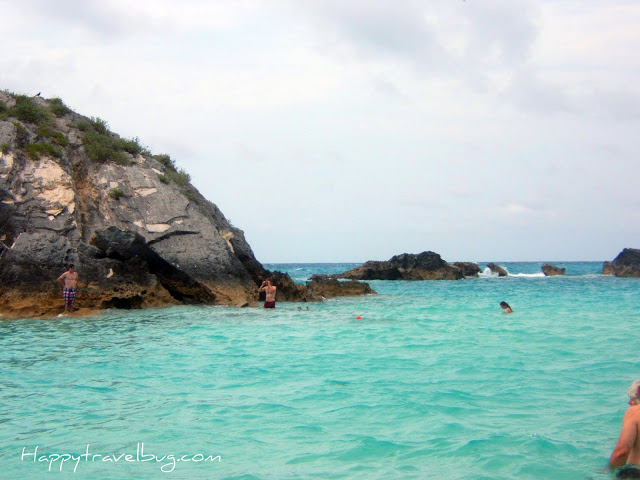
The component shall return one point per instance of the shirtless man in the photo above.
(627, 451)
(68, 281)
(270, 300)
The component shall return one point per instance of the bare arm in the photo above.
(626, 441)
(61, 279)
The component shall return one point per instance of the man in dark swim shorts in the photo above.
(629, 471)
(270, 300)
(627, 451)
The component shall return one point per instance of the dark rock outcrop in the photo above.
(468, 269)
(128, 247)
(422, 266)
(497, 269)
(551, 270)
(627, 263)
(607, 268)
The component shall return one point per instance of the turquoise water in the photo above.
(433, 382)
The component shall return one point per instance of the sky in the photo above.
(354, 130)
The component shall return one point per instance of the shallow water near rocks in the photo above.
(433, 382)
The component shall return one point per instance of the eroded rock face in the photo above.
(607, 268)
(551, 270)
(422, 266)
(130, 246)
(627, 263)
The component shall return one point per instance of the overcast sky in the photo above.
(353, 130)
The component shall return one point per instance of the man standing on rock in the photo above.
(270, 300)
(68, 281)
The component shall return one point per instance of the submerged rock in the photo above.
(551, 270)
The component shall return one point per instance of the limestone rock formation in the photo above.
(139, 233)
(607, 268)
(422, 266)
(551, 270)
(497, 269)
(627, 263)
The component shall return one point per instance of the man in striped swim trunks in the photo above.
(68, 281)
(627, 451)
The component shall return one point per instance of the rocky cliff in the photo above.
(139, 233)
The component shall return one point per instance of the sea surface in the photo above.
(433, 382)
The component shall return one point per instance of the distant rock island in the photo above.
(139, 234)
(626, 264)
(408, 266)
(551, 270)
(497, 270)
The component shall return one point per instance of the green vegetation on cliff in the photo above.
(26, 110)
(42, 129)
(37, 150)
(58, 108)
(103, 146)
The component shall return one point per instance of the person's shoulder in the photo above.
(633, 412)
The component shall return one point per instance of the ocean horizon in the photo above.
(433, 381)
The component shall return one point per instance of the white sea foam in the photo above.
(488, 273)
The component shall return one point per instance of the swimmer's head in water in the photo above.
(634, 390)
(504, 305)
